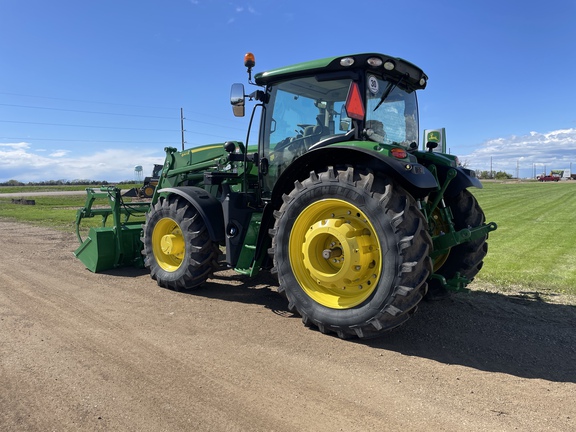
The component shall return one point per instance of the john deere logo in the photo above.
(434, 136)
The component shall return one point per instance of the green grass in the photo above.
(57, 212)
(56, 188)
(52, 211)
(533, 247)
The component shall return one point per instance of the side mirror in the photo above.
(431, 145)
(237, 99)
(345, 121)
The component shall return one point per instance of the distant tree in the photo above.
(483, 174)
(502, 175)
(12, 183)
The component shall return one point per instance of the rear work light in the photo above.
(374, 61)
(389, 65)
(399, 153)
(347, 61)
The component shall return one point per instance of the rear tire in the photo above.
(466, 258)
(351, 252)
(177, 247)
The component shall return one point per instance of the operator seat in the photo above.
(313, 134)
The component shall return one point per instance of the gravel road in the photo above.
(114, 352)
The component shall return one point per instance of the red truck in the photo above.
(545, 178)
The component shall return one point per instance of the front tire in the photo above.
(351, 252)
(177, 247)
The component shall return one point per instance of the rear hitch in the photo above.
(445, 241)
(456, 284)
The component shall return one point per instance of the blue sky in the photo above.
(90, 89)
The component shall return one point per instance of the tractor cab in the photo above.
(369, 99)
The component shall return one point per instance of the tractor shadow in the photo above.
(227, 285)
(520, 335)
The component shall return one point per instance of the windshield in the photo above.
(301, 113)
(395, 119)
(305, 111)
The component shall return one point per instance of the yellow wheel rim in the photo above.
(148, 191)
(335, 254)
(168, 244)
(440, 226)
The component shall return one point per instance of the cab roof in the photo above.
(393, 67)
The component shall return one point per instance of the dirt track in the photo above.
(84, 351)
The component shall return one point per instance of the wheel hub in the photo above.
(172, 244)
(168, 244)
(335, 253)
(349, 250)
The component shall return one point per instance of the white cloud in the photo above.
(524, 154)
(241, 10)
(59, 153)
(20, 145)
(248, 9)
(20, 163)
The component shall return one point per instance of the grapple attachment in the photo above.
(118, 245)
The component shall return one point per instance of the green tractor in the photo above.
(335, 198)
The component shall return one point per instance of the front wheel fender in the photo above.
(207, 206)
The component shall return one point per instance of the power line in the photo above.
(87, 126)
(85, 101)
(215, 124)
(100, 103)
(222, 125)
(107, 141)
(106, 113)
(87, 112)
(85, 140)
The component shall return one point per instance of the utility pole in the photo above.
(182, 126)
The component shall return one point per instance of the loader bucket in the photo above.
(131, 193)
(104, 250)
(108, 247)
(98, 251)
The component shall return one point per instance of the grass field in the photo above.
(533, 247)
(55, 188)
(54, 211)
